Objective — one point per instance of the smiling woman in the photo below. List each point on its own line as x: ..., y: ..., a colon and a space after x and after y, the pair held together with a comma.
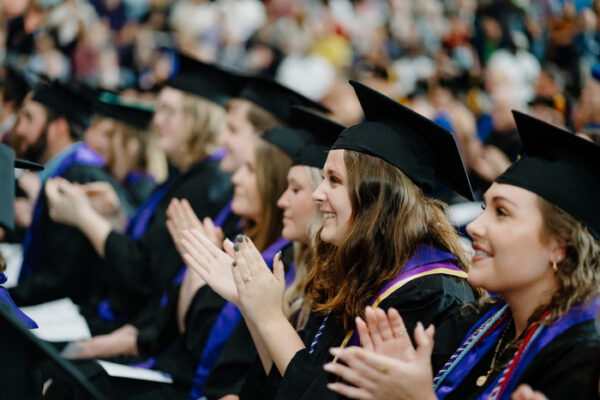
x: 383, y: 240
x: 537, y: 245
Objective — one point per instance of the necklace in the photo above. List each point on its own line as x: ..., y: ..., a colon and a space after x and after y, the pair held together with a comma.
x: 483, y: 378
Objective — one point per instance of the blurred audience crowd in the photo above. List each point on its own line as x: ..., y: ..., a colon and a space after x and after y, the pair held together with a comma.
x: 463, y: 63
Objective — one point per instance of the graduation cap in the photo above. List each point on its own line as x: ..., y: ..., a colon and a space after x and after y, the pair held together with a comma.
x: 24, y: 357
x: 64, y: 100
x: 15, y: 85
x: 204, y: 80
x: 275, y: 98
x: 133, y: 115
x: 560, y: 167
x: 417, y: 146
x: 324, y: 132
x: 290, y: 140
x: 8, y: 163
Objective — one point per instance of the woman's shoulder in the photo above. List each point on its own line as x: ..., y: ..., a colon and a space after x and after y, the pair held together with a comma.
x: 436, y: 287
x: 569, y: 364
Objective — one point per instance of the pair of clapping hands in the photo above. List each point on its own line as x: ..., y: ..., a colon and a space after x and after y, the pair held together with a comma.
x: 69, y: 202
x: 388, y: 366
x: 233, y: 269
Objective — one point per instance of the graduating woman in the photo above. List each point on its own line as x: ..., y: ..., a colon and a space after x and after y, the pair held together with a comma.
x: 120, y: 134
x: 537, y: 246
x: 189, y: 349
x: 379, y: 232
x: 141, y: 263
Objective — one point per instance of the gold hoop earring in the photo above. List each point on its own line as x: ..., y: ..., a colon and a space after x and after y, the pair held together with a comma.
x: 554, y: 266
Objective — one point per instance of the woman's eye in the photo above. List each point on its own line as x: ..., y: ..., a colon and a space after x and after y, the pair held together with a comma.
x: 500, y: 212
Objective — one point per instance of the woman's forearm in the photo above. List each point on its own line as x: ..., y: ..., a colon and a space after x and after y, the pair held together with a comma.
x: 281, y: 340
x: 263, y: 352
x: 96, y: 228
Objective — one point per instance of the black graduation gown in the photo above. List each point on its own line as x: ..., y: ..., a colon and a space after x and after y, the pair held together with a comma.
x: 70, y: 263
x: 179, y: 355
x: 428, y: 299
x: 138, y: 271
x: 139, y: 190
x: 159, y: 335
x: 567, y: 368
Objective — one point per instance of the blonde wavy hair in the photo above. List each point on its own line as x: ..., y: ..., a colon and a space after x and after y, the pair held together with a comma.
x: 204, y: 121
x: 296, y: 305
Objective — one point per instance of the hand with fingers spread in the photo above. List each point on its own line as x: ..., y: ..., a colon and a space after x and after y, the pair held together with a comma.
x: 181, y: 217
x: 259, y: 289
x: 383, y: 333
x: 377, y: 377
x: 211, y: 263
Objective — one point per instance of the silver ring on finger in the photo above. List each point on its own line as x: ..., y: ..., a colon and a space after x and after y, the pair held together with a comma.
x: 401, y: 333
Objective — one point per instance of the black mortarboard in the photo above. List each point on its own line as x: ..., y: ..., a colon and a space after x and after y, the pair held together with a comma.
x: 24, y: 357
x: 8, y: 163
x: 560, y: 167
x: 275, y: 98
x: 204, y: 80
x: 324, y: 131
x: 417, y: 146
x: 290, y: 140
x: 15, y: 85
x: 64, y: 101
x: 111, y: 107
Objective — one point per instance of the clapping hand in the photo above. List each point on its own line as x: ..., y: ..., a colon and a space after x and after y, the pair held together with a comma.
x: 67, y: 203
x: 406, y: 375
x: 260, y: 290
x: 181, y: 217
x: 211, y: 263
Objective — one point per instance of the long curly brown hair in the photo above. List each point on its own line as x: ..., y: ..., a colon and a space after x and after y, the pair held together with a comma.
x: 391, y: 216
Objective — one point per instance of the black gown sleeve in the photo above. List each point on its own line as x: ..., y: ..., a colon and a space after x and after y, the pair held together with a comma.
x: 138, y: 192
x: 569, y: 366
x: 238, y: 355
x: 179, y: 354
x: 69, y: 263
x: 142, y: 269
x: 427, y: 299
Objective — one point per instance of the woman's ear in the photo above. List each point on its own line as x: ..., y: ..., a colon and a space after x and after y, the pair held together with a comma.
x: 558, y: 250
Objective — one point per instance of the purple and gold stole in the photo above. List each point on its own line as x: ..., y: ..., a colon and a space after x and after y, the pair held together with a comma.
x: 427, y: 260
x: 485, y: 334
x: 33, y: 246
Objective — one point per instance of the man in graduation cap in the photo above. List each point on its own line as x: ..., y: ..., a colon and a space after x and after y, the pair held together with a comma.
x: 58, y: 261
